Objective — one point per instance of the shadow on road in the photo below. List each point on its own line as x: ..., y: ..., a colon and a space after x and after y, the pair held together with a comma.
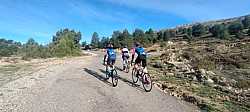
x: 118, y: 68
x: 130, y: 83
x: 98, y: 76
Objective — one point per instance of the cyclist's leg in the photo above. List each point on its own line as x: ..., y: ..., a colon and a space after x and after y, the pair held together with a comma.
x: 137, y: 61
x: 123, y: 62
x: 144, y: 64
x: 112, y: 64
x: 109, y: 63
x: 132, y: 60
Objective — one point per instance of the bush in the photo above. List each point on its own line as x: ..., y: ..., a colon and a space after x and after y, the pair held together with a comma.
x: 66, y: 47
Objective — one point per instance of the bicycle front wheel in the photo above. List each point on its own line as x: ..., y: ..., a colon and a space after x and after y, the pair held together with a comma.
x: 114, y: 78
x: 135, y: 75
x: 107, y: 73
x: 146, y: 82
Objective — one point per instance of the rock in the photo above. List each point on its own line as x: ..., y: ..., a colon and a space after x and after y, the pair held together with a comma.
x: 209, y: 80
x: 169, y: 74
x: 210, y: 73
x: 203, y: 72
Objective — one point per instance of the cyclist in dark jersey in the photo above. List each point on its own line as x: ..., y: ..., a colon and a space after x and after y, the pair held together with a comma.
x: 110, y: 55
x: 141, y: 56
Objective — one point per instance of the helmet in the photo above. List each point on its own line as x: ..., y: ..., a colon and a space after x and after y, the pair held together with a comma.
x: 137, y: 44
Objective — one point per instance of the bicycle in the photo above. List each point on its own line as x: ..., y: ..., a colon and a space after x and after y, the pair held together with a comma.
x: 113, y: 74
x: 127, y: 65
x: 137, y: 73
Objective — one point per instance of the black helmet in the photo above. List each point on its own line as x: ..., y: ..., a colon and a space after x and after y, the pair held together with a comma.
x: 137, y: 44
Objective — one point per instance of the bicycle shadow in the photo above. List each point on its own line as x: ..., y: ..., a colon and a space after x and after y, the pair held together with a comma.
x: 98, y: 76
x: 118, y: 68
x: 128, y: 82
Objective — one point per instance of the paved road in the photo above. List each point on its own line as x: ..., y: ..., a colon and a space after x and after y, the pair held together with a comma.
x: 78, y: 85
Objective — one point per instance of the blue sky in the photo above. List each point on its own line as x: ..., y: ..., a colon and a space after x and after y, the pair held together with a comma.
x: 40, y: 19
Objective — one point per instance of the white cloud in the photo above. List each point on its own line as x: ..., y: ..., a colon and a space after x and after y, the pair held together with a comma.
x: 193, y: 10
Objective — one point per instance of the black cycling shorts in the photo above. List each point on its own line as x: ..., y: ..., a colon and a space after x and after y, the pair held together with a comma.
x: 141, y: 59
x: 110, y: 61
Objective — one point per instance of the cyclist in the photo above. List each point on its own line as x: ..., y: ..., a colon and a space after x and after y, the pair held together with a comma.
x: 110, y: 55
x: 141, y: 57
x: 125, y: 56
x: 132, y: 51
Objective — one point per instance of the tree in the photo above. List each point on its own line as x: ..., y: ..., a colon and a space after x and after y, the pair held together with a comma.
x: 103, y: 43
x: 8, y: 47
x: 76, y: 36
x: 198, y: 30
x: 84, y: 43
x: 138, y: 35
x: 66, y: 43
x: 95, y: 40
x: 248, y: 32
x: 219, y: 31
x: 235, y: 28
x: 166, y: 35
x: 246, y: 22
x: 152, y: 36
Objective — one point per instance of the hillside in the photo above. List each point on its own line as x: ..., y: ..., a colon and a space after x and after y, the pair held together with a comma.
x: 210, y: 70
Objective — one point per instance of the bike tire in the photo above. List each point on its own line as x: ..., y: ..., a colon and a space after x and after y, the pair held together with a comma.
x: 114, y: 78
x: 146, y: 82
x: 107, y: 73
x: 134, y: 77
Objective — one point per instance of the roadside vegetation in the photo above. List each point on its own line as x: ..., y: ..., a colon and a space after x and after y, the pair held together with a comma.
x: 209, y: 68
x: 65, y: 43
x: 228, y: 29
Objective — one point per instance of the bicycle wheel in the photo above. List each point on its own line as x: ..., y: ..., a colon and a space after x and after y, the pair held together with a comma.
x: 134, y: 75
x: 107, y: 73
x: 146, y: 82
x: 114, y: 78
x: 127, y: 67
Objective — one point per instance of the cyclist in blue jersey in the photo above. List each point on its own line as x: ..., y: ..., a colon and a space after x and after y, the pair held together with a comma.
x: 110, y: 55
x: 141, y: 56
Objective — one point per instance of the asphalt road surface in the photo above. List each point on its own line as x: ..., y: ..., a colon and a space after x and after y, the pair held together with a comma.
x: 78, y: 85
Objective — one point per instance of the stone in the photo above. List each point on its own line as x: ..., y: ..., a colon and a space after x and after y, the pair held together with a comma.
x: 203, y: 71
x: 209, y: 80
x: 210, y: 73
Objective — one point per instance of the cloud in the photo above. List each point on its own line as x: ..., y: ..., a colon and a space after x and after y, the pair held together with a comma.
x: 101, y: 14
x: 194, y: 10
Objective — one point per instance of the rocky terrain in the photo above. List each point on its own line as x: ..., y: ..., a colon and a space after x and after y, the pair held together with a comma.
x: 213, y: 74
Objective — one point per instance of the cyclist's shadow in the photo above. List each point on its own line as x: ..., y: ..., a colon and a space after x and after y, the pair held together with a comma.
x: 130, y: 83
x: 98, y: 76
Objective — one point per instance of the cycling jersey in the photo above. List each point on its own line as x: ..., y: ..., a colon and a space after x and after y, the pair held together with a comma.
x: 111, y: 54
x: 140, y: 51
x: 125, y: 52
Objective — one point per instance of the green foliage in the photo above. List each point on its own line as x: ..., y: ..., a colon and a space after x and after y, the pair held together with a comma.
x: 246, y: 22
x: 76, y: 36
x: 84, y: 44
x: 103, y: 43
x: 198, y: 30
x: 8, y: 47
x: 219, y: 31
x: 235, y: 28
x: 66, y: 45
x: 95, y: 40
x: 33, y: 50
